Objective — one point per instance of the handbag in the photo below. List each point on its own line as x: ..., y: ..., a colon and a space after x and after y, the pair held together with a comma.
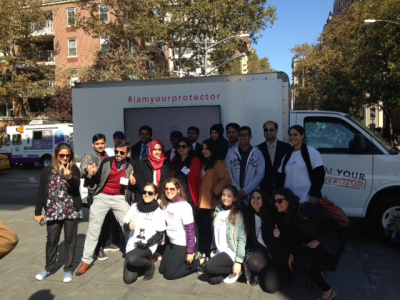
x: 8, y: 240
x: 331, y: 208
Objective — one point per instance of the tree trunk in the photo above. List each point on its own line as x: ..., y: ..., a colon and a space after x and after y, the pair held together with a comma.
x: 27, y: 109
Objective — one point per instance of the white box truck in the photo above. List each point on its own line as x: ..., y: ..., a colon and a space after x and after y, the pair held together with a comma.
x: 362, y: 169
x: 35, y: 143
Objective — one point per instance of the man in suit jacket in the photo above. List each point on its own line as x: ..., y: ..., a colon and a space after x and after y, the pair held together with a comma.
x: 193, y: 134
x: 141, y: 148
x: 174, y: 136
x: 272, y: 161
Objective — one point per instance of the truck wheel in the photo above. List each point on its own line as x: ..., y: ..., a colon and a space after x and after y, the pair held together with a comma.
x: 46, y: 160
x: 383, y: 212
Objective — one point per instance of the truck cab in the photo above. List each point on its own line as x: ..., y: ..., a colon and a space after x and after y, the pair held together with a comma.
x: 362, y: 170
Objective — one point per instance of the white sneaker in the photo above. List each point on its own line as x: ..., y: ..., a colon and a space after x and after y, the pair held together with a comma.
x: 67, y: 276
x: 232, y: 277
x: 42, y: 275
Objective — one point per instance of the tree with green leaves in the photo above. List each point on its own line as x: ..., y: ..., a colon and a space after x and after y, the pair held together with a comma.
x: 135, y: 28
x: 354, y: 64
x: 23, y: 76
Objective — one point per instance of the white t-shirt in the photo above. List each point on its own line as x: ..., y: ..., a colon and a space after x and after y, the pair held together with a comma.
x: 177, y: 215
x: 297, y: 178
x: 150, y: 222
x: 220, y: 234
x: 258, y: 224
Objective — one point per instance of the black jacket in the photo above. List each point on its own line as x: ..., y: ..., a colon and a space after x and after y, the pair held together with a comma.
x: 145, y: 174
x: 320, y: 226
x: 269, y: 182
x: 135, y: 151
x: 43, y: 190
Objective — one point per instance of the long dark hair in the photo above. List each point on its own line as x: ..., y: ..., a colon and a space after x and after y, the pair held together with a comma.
x: 235, y: 205
x: 299, y: 129
x: 212, y: 147
x: 188, y: 161
x: 266, y: 211
x: 291, y: 215
x: 54, y: 160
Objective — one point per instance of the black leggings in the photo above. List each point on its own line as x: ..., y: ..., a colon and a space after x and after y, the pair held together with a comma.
x: 205, y: 233
x: 173, y: 264
x: 311, y: 263
x: 218, y: 268
x: 269, y: 275
x: 134, y: 263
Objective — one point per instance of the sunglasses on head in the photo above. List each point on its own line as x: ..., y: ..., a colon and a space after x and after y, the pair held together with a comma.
x: 181, y: 146
x: 269, y: 129
x: 279, y: 201
x: 148, y: 193
x: 169, y: 189
x: 64, y: 156
x: 120, y: 152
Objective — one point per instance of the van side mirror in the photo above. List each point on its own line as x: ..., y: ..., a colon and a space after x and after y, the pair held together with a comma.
x: 357, y: 144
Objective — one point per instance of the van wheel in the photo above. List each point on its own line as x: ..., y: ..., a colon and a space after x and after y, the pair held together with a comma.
x: 46, y: 160
x: 383, y: 212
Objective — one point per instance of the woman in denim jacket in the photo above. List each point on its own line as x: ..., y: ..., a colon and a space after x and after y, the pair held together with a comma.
x: 229, y: 240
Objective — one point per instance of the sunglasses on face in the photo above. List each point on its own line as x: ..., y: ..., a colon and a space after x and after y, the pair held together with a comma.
x: 64, y: 156
x: 181, y: 146
x: 169, y: 189
x: 120, y: 152
x: 269, y: 129
x: 118, y: 137
x: 279, y: 201
x: 148, y: 193
x: 174, y: 139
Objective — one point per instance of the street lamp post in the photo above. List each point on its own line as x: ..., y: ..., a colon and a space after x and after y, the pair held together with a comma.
x: 206, y: 48
x: 367, y: 21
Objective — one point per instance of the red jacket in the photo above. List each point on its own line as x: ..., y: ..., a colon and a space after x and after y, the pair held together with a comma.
x: 194, y: 180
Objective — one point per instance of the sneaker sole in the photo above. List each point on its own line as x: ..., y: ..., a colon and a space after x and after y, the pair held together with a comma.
x: 102, y: 258
x: 67, y: 281
x: 108, y: 250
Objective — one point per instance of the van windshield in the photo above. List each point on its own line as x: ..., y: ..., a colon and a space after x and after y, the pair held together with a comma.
x: 378, y: 137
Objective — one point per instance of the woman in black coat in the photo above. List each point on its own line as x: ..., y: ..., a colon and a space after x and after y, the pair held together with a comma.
x: 154, y: 168
x: 316, y: 239
x: 267, y: 251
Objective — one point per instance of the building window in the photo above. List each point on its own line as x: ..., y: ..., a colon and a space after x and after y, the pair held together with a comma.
x: 7, y: 109
x: 104, y: 13
x: 72, y: 47
x: 73, y: 78
x: 105, y: 44
x: 71, y: 16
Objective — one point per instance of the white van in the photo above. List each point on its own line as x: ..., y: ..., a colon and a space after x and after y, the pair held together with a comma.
x: 35, y: 143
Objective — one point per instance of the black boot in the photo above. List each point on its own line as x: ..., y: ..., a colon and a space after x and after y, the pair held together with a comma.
x: 150, y: 268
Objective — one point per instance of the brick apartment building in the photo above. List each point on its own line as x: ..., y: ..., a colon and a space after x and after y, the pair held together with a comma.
x: 64, y: 51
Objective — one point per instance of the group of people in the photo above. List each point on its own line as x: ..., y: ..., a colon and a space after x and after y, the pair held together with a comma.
x: 217, y: 208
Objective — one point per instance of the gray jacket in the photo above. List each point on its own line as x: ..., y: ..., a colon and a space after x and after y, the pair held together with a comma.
x: 94, y: 157
x: 104, y: 171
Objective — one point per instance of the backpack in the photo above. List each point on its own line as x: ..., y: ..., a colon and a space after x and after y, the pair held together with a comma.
x: 331, y: 208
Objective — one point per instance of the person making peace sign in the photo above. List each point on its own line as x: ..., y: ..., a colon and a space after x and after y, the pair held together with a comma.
x: 59, y: 195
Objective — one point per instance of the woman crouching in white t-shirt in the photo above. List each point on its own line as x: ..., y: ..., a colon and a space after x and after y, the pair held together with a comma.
x: 146, y: 222
x: 229, y: 240
x: 179, y: 255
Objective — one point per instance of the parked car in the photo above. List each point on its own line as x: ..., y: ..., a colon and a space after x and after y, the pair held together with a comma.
x: 4, y: 162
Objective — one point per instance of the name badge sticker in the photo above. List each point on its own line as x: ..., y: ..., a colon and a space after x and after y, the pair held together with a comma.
x: 185, y: 170
x: 124, y: 181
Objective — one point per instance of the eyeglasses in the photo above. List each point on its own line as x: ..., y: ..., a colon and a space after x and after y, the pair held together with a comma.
x: 181, y: 146
x: 118, y: 137
x: 120, y: 152
x: 148, y: 193
x: 64, y: 156
x: 169, y: 189
x: 269, y: 129
x: 244, y: 135
x: 279, y: 201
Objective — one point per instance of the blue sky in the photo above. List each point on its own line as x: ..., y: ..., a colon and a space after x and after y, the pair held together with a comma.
x: 299, y: 22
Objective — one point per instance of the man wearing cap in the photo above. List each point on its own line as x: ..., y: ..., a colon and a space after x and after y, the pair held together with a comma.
x: 117, y: 136
x: 141, y: 148
x: 173, y: 138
